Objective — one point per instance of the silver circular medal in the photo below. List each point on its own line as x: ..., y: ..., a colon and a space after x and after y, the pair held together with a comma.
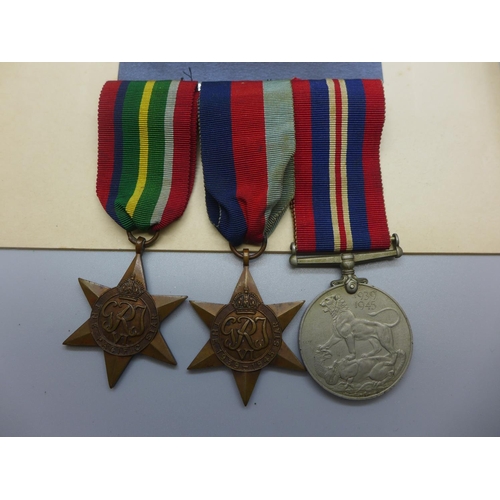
x: 356, y: 346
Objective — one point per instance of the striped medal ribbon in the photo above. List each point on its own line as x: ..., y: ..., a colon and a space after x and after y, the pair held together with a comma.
x: 339, y: 203
x: 147, y: 151
x: 355, y: 340
x: 247, y: 147
x: 145, y: 174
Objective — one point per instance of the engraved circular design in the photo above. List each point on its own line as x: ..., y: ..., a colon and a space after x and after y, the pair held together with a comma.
x: 246, y: 339
x: 356, y: 346
x: 124, y: 323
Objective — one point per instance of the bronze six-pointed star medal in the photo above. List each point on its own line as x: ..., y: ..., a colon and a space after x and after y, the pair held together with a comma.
x: 246, y: 335
x: 125, y: 321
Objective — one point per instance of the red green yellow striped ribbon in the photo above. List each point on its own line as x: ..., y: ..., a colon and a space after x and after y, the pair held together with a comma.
x: 147, y: 151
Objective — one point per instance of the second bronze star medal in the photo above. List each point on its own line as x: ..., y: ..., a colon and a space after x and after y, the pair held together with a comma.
x: 247, y: 147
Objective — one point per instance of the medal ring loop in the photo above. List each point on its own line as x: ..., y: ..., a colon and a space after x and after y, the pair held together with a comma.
x: 140, y: 242
x: 246, y: 254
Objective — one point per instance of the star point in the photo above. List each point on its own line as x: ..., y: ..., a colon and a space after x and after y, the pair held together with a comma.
x: 246, y: 335
x: 125, y: 321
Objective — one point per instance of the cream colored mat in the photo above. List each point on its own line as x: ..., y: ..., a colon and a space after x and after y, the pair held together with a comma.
x: 440, y: 161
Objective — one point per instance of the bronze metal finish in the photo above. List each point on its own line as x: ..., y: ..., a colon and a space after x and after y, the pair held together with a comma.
x: 125, y: 320
x: 246, y: 334
x: 246, y: 253
x: 144, y: 243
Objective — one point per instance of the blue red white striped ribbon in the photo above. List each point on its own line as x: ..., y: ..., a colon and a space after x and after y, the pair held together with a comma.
x: 339, y: 204
x: 247, y: 147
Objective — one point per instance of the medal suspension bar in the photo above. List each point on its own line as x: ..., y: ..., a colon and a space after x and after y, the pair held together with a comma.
x: 346, y: 261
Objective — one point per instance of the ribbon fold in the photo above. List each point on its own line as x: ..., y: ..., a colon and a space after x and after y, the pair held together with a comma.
x: 146, y: 151
x: 247, y: 147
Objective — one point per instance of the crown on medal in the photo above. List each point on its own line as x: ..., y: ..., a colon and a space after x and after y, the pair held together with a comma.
x: 131, y: 289
x: 246, y: 303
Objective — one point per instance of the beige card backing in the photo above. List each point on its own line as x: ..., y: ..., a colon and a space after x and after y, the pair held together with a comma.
x: 440, y: 159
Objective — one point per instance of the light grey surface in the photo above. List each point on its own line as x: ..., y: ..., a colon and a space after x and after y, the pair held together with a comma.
x: 47, y: 389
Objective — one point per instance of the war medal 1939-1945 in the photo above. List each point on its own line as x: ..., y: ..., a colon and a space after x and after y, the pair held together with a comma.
x: 146, y: 167
x: 247, y: 147
x: 355, y: 340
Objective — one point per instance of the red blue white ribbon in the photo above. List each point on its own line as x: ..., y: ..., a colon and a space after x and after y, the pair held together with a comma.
x: 247, y: 147
x: 339, y: 204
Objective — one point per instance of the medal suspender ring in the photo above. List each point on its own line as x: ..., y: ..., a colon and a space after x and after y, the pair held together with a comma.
x: 243, y: 255
x: 140, y: 242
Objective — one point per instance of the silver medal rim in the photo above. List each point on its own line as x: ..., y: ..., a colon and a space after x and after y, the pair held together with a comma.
x: 322, y: 384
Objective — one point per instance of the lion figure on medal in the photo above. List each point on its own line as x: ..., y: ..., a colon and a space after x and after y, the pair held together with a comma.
x: 359, y: 371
